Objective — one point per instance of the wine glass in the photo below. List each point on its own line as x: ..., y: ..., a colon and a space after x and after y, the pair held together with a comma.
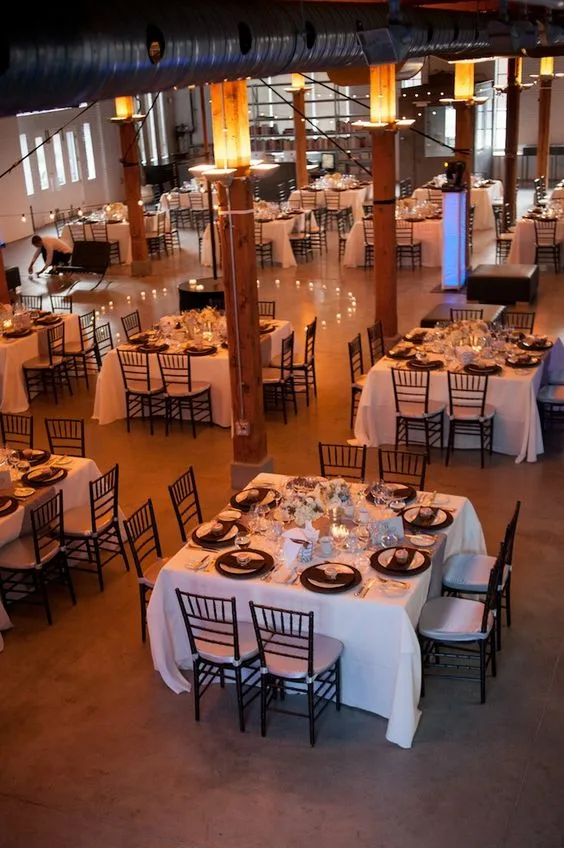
x: 242, y: 540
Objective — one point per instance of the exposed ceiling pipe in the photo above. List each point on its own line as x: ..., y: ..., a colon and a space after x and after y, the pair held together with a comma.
x: 83, y: 52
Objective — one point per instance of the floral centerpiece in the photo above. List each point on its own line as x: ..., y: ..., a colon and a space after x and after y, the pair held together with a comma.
x: 303, y: 507
x: 336, y: 492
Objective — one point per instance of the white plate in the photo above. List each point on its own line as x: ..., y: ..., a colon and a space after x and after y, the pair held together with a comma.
x: 411, y: 514
x: 229, y: 515
x: 204, y: 529
x: 385, y: 557
x: 23, y: 492
x: 421, y: 540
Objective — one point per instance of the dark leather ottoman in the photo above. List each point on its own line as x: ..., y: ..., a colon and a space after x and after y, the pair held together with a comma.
x: 505, y: 284
x: 441, y: 312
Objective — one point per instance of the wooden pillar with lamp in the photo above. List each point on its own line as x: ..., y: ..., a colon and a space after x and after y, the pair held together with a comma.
x: 513, y: 94
x: 464, y: 101
x: 300, y: 144
x: 546, y: 75
x: 232, y: 153
x: 127, y: 121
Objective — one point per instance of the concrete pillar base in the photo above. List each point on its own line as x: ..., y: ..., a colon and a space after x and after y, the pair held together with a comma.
x: 242, y: 472
x: 141, y: 268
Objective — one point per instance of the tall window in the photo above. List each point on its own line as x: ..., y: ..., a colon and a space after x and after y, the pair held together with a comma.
x: 89, y: 150
x: 500, y: 108
x: 151, y: 130
x: 440, y: 126
x: 162, y: 128
x: 73, y: 158
x: 28, y: 176
x: 41, y: 163
x: 412, y: 82
x: 59, y: 160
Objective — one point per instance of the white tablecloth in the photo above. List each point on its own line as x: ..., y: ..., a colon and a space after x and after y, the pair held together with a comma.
x: 14, y: 352
x: 557, y: 193
x: 109, y: 402
x: 381, y: 664
x: 481, y: 198
x: 278, y: 232
x: 523, y: 245
x: 429, y: 233
x: 76, y: 492
x: 354, y: 197
x: 116, y: 232
x: 517, y: 429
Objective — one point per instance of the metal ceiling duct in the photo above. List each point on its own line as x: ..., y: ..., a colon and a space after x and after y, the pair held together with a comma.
x: 83, y: 52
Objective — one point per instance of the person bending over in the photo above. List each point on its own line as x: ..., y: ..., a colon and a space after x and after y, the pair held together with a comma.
x: 54, y: 251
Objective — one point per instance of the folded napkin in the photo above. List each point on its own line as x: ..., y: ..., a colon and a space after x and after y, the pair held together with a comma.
x: 294, y: 539
x: 401, y: 564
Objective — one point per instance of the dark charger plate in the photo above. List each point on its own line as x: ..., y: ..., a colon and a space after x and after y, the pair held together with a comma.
x: 430, y: 365
x: 400, y: 569
x: 472, y: 368
x: 7, y: 505
x: 254, y: 568
x: 420, y: 522
x: 343, y: 580
x: 401, y: 493
x: 211, y: 540
x: 38, y: 482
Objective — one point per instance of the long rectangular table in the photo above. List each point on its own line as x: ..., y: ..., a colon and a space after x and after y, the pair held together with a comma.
x: 353, y: 197
x: 517, y: 427
x: 14, y: 352
x: 109, y: 401
x: 523, y: 249
x: 481, y: 198
x: 381, y: 665
x: 277, y: 231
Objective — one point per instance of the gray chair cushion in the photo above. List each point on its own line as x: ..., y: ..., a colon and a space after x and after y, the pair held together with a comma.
x: 225, y: 654
x: 453, y: 620
x: 326, y: 651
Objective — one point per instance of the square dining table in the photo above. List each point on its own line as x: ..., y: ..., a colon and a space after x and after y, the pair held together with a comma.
x: 513, y: 393
x: 14, y: 352
x: 381, y: 664
x: 109, y: 401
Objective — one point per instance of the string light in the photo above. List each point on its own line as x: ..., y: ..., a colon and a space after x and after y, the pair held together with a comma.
x: 51, y: 215
x: 23, y: 218
x: 140, y: 202
x: 79, y: 211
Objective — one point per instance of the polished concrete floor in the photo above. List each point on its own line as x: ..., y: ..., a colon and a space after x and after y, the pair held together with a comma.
x: 94, y: 749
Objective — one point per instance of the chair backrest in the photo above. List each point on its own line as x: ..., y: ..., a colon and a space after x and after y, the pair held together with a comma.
x: 287, y: 356
x: 66, y: 436
x: 267, y: 309
x: 77, y: 232
x: 99, y: 231
x: 196, y: 200
x: 510, y: 531
x: 355, y: 358
x: 310, y: 199
x: 368, y: 227
x: 131, y: 323
x: 545, y: 232
x: 31, y: 301
x: 519, y: 320
x: 342, y: 460
x: 258, y: 232
x: 284, y: 633
x: 185, y: 501
x: 310, y: 336
x: 211, y: 624
x: 104, y: 498
x: 494, y: 588
x: 333, y: 200
x: 376, y: 345
x: 61, y: 303
x: 342, y: 223
x: 405, y: 188
x: 143, y: 536
x: 104, y: 341
x: 498, y: 220
x: 466, y: 314
x: 135, y: 370
x: 161, y: 223
x: 87, y: 324
x: 410, y: 387
x: 404, y: 232
x: 435, y: 195
x: 402, y: 466
x: 16, y: 430
x: 47, y: 528
x: 175, y: 370
x: 321, y: 218
x: 56, y: 341
x: 466, y: 392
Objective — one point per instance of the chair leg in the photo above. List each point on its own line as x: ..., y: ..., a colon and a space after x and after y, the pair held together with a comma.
x: 239, y: 688
x: 508, y: 601
x: 263, y: 699
x: 67, y: 578
x: 311, y: 713
x: 197, y: 690
x: 483, y: 670
x: 338, y: 685
x: 40, y: 584
x: 99, y: 564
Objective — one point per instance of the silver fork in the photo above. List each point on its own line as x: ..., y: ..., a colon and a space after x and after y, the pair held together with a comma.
x: 360, y: 593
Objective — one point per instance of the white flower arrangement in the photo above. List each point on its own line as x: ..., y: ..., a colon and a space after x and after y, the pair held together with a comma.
x: 305, y: 507
x: 336, y: 492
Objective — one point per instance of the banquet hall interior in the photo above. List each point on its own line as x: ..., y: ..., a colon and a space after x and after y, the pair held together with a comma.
x: 95, y: 748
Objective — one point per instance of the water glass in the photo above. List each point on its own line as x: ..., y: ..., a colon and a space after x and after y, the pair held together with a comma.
x: 243, y: 541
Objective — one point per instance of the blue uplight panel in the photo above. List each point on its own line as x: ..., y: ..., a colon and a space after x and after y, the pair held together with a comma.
x: 454, y: 239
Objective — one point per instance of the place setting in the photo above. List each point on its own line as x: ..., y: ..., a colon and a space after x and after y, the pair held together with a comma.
x: 8, y: 505
x: 330, y: 577
x: 539, y: 343
x: 217, y: 534
x: 401, y: 560
x: 421, y: 362
x: 43, y: 475
x: 247, y: 498
x: 34, y: 456
x: 522, y: 360
x: 427, y: 517
x: 245, y: 563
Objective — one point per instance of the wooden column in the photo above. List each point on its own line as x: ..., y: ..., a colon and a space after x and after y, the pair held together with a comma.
x: 384, y: 219
x: 4, y: 292
x: 543, y: 138
x: 232, y: 150
x: 204, y: 124
x: 140, y: 264
x: 513, y: 94
x: 300, y: 144
x: 464, y: 144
